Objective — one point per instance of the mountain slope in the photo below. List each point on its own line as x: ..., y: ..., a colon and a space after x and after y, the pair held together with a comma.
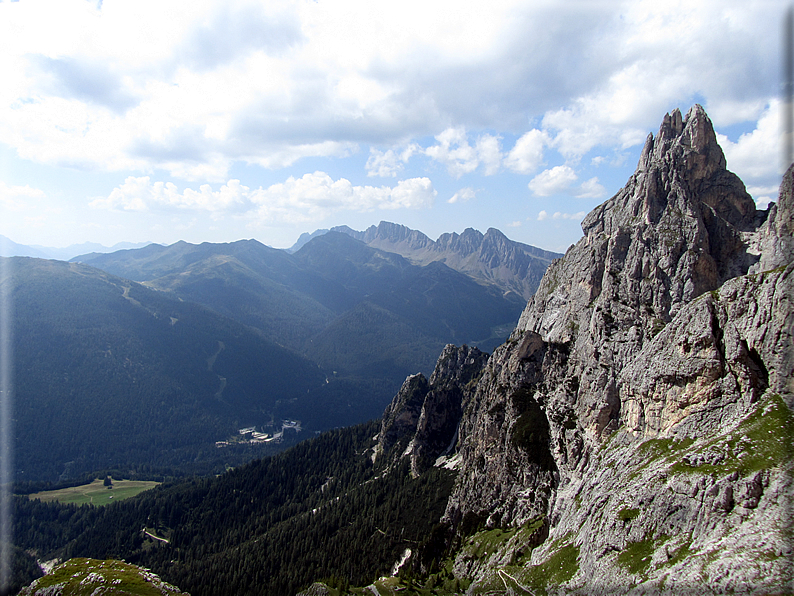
x: 109, y: 372
x: 370, y: 316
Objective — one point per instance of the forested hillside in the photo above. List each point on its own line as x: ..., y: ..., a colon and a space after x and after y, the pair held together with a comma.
x: 113, y: 374
x: 367, y: 316
x: 270, y: 527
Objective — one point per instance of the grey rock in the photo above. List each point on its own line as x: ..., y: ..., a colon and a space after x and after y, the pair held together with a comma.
x: 643, y: 403
x: 775, y: 238
x: 423, y: 417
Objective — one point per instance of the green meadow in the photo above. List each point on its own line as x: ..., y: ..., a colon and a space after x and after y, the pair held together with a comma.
x: 96, y: 493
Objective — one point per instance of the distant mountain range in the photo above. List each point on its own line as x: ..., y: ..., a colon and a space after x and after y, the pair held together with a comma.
x: 490, y: 258
x: 9, y: 248
x: 173, y: 348
x: 110, y: 373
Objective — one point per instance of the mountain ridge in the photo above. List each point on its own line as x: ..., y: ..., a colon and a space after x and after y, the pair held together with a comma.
x: 491, y: 258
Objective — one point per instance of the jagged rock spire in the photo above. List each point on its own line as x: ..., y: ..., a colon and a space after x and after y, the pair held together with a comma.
x: 673, y: 232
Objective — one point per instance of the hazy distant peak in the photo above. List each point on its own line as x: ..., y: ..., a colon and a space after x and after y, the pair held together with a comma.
x: 14, y: 249
x: 306, y: 237
x: 491, y: 258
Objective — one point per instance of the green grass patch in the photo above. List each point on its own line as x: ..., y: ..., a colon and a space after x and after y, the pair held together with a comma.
x: 488, y: 542
x: 655, y: 448
x: 682, y: 553
x: 626, y: 514
x: 636, y: 557
x: 96, y: 493
x: 484, y: 544
x: 763, y: 440
x: 559, y: 568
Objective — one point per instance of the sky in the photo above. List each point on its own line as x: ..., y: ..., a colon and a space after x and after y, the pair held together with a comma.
x: 216, y: 121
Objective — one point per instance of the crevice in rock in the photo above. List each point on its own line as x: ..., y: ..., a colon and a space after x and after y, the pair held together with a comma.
x: 718, y: 333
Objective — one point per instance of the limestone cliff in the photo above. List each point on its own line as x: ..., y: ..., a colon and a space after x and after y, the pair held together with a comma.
x: 640, y: 414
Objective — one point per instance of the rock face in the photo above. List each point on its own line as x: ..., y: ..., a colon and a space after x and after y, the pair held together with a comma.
x: 491, y: 257
x: 642, y: 406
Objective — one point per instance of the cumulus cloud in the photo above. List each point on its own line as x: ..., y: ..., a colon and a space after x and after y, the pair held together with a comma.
x: 389, y: 163
x: 310, y: 197
x: 562, y: 179
x: 574, y: 216
x: 270, y: 83
x: 544, y: 215
x: 490, y: 153
x: 464, y: 194
x: 591, y: 189
x: 141, y: 194
x: 553, y: 181
x: 526, y: 156
x: 756, y: 156
x: 454, y: 151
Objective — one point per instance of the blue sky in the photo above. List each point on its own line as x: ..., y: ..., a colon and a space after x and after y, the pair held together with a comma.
x: 215, y: 121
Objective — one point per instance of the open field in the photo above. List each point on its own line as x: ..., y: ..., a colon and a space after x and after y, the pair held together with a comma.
x: 96, y: 493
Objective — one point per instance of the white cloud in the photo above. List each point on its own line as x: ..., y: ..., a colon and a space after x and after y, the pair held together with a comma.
x: 562, y: 179
x: 140, y: 194
x: 460, y: 157
x: 591, y: 189
x: 756, y: 156
x: 514, y: 224
x: 572, y: 216
x: 490, y: 153
x: 543, y: 215
x: 17, y: 198
x: 526, y: 156
x: 116, y: 85
x: 454, y: 151
x: 308, y: 198
x: 464, y: 194
x: 553, y: 181
x: 389, y: 163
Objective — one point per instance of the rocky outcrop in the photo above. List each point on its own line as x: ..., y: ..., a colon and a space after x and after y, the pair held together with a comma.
x: 774, y: 241
x: 491, y: 258
x: 642, y: 406
x: 77, y: 577
x: 422, y: 419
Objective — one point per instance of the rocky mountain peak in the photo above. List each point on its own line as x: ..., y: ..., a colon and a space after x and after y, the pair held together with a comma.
x: 691, y: 138
x: 673, y: 232
x: 422, y: 419
x: 643, y: 376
